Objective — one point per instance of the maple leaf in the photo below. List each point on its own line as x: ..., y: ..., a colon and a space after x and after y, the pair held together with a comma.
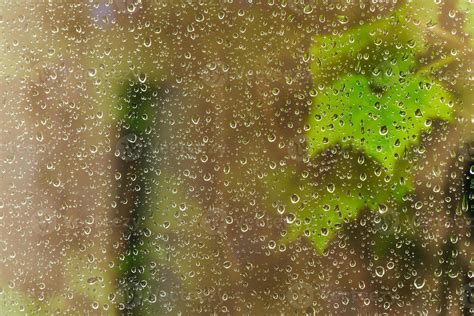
x: 375, y: 99
x: 382, y: 125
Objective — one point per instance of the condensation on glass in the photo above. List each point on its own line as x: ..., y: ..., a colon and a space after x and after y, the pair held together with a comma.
x: 236, y: 157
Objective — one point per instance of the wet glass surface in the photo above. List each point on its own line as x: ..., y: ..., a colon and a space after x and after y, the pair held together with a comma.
x: 276, y: 157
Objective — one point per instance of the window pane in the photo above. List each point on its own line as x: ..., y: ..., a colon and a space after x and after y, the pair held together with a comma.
x: 236, y: 157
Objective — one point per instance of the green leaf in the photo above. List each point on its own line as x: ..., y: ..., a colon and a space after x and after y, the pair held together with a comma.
x: 365, y: 49
x: 382, y: 125
x: 373, y: 99
x: 350, y: 183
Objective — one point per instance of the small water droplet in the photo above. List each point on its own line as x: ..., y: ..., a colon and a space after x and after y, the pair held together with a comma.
x: 295, y: 198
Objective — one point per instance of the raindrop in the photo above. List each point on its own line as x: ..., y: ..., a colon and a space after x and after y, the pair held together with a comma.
x: 295, y: 198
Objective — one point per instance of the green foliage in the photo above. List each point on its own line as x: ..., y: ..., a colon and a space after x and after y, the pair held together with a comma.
x: 372, y: 97
x: 138, y: 110
x: 16, y: 302
x: 137, y: 107
x: 351, y: 183
x: 382, y: 125
x: 379, y: 50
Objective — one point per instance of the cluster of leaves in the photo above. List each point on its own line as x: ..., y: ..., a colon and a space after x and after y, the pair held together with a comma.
x: 373, y: 97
